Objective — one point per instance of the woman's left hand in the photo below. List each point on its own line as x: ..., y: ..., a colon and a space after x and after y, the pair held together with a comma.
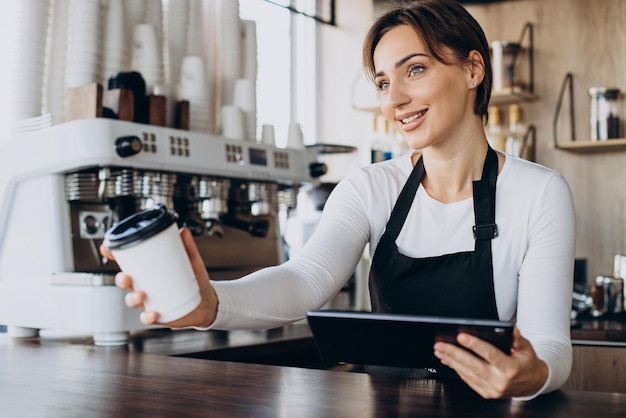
x: 495, y: 374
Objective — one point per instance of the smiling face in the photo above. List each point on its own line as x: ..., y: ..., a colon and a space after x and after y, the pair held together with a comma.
x: 429, y: 102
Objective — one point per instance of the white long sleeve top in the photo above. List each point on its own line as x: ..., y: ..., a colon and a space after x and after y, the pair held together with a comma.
x: 533, y: 255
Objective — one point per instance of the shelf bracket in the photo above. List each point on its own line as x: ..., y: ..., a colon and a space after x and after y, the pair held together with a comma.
x: 567, y: 81
x: 528, y: 28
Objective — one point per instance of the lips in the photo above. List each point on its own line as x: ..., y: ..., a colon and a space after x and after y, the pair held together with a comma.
x: 411, y: 118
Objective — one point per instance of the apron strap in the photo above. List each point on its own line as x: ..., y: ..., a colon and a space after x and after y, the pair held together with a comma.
x: 485, y: 228
x: 403, y: 204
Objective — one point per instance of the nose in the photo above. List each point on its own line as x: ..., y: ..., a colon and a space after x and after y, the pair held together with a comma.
x: 396, y: 95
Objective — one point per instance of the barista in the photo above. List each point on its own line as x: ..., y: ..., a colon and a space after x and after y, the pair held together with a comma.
x: 454, y: 229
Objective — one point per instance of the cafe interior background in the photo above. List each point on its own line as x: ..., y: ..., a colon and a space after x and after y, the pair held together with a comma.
x: 307, y: 71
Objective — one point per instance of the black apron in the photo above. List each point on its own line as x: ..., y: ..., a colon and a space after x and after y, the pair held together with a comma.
x: 451, y: 285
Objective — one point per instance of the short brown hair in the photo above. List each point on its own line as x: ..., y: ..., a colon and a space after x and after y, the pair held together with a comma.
x: 440, y: 23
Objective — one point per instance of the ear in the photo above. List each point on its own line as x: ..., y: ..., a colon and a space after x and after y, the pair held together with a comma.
x: 475, y: 66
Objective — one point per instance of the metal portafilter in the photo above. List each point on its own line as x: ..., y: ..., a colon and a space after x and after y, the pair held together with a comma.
x: 153, y: 187
x: 210, y: 202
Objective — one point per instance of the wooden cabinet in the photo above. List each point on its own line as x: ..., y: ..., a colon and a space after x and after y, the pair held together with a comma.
x: 598, y: 368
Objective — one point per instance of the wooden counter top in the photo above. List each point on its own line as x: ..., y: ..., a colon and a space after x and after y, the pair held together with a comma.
x: 53, y: 378
x: 608, y: 330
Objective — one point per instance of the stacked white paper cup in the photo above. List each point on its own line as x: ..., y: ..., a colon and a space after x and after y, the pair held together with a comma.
x: 134, y: 14
x: 268, y: 137
x: 230, y: 48
x: 211, y: 40
x: 32, y: 124
x: 55, y: 65
x: 245, y: 99
x: 174, y: 38
x: 250, y: 50
x: 175, y: 16
x: 154, y: 16
x: 82, y: 63
x: 26, y: 60
x: 193, y: 89
x: 195, y: 31
x: 295, y: 138
x: 232, y: 123
x: 115, y: 39
x: 147, y: 59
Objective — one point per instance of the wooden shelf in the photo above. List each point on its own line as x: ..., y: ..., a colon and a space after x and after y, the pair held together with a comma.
x: 507, y: 97
x: 593, y: 146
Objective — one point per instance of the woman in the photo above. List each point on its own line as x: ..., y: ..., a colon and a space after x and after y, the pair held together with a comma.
x: 439, y: 242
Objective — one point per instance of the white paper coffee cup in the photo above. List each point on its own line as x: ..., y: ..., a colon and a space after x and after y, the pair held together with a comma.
x: 148, y: 247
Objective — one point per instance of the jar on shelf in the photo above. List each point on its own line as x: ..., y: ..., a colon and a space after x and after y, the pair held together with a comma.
x: 503, y: 55
x: 605, y: 113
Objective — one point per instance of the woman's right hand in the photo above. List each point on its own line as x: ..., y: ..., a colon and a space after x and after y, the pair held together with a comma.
x: 203, y: 316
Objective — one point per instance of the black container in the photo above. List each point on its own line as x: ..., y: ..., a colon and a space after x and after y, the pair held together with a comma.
x: 132, y: 81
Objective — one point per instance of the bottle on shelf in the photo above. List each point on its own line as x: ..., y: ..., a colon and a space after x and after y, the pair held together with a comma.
x: 515, y: 138
x: 375, y: 140
x: 495, y: 133
x: 384, y: 143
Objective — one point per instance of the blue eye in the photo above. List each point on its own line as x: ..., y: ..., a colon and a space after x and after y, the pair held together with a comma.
x: 383, y: 85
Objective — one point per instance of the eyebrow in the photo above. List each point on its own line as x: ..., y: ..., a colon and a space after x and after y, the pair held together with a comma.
x: 400, y: 63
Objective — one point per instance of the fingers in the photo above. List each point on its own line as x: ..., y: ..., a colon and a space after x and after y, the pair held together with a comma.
x: 105, y: 252
x: 519, y: 342
x: 148, y: 317
x: 123, y: 281
x: 135, y: 299
x: 485, y: 350
x: 492, y: 373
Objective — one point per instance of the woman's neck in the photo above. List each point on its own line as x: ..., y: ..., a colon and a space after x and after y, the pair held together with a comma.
x: 450, y: 172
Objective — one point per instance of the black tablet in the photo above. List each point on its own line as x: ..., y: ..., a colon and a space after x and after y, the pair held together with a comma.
x: 396, y: 340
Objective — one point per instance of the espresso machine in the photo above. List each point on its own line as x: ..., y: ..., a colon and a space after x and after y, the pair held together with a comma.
x: 63, y: 186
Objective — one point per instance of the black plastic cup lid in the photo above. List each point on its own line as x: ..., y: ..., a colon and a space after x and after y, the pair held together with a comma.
x: 139, y: 227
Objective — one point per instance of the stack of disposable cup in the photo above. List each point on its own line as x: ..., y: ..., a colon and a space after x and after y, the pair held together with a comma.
x: 230, y: 49
x: 250, y: 58
x: 295, y: 138
x: 114, y: 48
x: 193, y: 89
x: 211, y: 41
x: 26, y: 59
x: 232, y: 123
x: 174, y: 38
x: 195, y: 31
x: 154, y: 16
x: 32, y: 124
x: 55, y: 65
x: 82, y: 63
x: 268, y: 137
x: 245, y: 99
x: 134, y: 14
x: 175, y: 17
x: 147, y: 59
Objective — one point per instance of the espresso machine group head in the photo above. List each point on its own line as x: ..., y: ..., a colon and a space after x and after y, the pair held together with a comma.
x: 62, y: 187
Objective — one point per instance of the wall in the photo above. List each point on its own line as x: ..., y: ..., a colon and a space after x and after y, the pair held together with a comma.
x: 340, y: 50
x: 584, y: 37
x: 588, y: 39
